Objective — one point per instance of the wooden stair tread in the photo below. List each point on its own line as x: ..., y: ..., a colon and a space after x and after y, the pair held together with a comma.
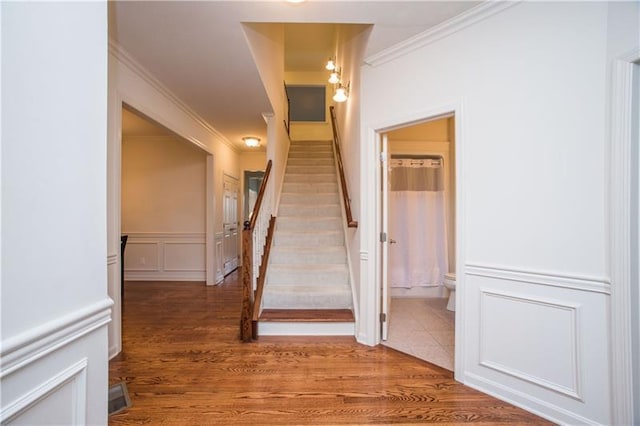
x: 307, y: 315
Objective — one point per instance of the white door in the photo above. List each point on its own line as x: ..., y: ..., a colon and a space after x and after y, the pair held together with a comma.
x: 384, y: 238
x: 230, y: 242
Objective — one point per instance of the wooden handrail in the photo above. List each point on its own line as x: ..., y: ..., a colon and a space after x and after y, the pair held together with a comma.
x: 343, y: 182
x: 247, y: 325
x: 258, y: 204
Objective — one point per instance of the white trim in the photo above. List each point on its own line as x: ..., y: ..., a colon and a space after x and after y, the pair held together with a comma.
x: 555, y: 279
x: 77, y: 374
x: 112, y: 259
x: 190, y: 237
x: 620, y: 134
x: 31, y: 345
x: 575, y: 391
x: 525, y: 401
x: 306, y: 329
x: 210, y: 238
x: 196, y: 276
x: 126, y: 59
x: 369, y: 329
x: 440, y: 31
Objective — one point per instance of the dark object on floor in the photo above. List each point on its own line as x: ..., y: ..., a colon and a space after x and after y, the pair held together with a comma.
x: 118, y: 398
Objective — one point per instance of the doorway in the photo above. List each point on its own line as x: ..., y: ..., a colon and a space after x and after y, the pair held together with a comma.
x: 230, y: 242
x: 418, y: 213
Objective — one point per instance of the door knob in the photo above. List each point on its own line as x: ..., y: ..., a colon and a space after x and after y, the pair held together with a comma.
x: 392, y: 241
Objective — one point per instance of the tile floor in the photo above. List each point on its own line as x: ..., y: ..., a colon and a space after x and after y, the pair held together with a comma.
x: 423, y: 328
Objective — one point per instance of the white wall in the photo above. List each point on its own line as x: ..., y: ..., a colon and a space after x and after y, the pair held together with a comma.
x: 163, y: 209
x: 267, y: 47
x: 54, y: 301
x: 130, y: 83
x: 351, y: 45
x: 528, y: 86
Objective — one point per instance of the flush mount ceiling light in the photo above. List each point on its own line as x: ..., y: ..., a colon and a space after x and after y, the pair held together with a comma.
x: 342, y: 93
x: 251, y: 141
x: 331, y: 65
x: 295, y: 1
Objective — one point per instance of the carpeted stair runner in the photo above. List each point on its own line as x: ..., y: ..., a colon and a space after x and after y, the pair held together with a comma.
x: 308, y: 262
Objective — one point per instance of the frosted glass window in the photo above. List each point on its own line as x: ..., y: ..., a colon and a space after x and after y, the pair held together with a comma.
x: 307, y: 103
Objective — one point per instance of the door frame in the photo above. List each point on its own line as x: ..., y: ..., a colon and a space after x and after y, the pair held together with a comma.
x: 372, y: 181
x: 621, y: 187
x: 114, y: 209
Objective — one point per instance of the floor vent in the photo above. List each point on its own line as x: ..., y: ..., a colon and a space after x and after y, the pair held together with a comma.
x: 118, y: 398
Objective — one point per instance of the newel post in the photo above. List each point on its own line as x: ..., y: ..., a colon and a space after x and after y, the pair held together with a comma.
x: 246, y: 329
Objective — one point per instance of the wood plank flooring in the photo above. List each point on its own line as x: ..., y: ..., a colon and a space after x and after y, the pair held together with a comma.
x: 184, y: 365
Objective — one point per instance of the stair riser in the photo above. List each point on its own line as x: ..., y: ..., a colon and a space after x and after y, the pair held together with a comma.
x: 319, y: 224
x: 319, y: 198
x: 304, y: 210
x: 311, y: 154
x: 297, y: 146
x: 308, y: 187
x: 296, y: 301
x: 310, y: 162
x: 308, y: 169
x: 280, y: 255
x: 299, y: 178
x: 320, y: 239
x: 283, y: 276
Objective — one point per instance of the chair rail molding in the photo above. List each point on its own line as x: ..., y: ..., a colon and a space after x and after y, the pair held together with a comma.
x: 35, y: 343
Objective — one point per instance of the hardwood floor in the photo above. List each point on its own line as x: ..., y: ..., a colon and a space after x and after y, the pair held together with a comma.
x: 184, y: 365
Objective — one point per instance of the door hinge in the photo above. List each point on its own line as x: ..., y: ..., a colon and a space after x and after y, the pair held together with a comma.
x: 383, y: 237
x: 383, y: 157
x: 383, y: 317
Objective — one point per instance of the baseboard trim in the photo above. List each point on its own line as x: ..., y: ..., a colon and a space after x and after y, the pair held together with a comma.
x: 306, y: 329
x: 527, y: 402
x: 132, y: 276
x: 33, y: 344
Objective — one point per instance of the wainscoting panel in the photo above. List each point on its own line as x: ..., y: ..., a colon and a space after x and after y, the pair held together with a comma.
x: 61, y: 399
x: 165, y: 257
x: 554, y: 328
x: 183, y: 256
x: 219, y: 257
x: 539, y: 341
x: 54, y: 374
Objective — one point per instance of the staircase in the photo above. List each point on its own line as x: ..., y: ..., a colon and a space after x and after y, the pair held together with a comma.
x: 307, y: 289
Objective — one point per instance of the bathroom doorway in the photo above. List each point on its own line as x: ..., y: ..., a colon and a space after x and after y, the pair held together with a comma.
x: 418, y: 214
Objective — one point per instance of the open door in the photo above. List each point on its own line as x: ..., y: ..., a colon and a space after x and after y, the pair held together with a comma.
x: 384, y: 229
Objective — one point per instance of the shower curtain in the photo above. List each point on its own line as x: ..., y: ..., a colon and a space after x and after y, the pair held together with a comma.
x: 417, y: 223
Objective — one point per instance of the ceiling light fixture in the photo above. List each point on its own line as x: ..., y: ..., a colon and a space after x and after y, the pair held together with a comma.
x: 251, y: 141
x: 331, y: 65
x: 295, y: 1
x: 342, y: 93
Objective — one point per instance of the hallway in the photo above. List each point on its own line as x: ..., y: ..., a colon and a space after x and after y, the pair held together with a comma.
x: 184, y: 364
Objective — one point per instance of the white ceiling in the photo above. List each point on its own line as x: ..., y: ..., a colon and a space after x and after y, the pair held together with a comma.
x: 198, y: 50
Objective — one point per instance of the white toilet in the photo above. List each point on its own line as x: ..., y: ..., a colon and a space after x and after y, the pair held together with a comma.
x: 450, y: 283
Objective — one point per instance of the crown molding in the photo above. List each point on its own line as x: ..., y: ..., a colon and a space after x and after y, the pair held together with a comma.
x: 128, y: 60
x: 440, y: 31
